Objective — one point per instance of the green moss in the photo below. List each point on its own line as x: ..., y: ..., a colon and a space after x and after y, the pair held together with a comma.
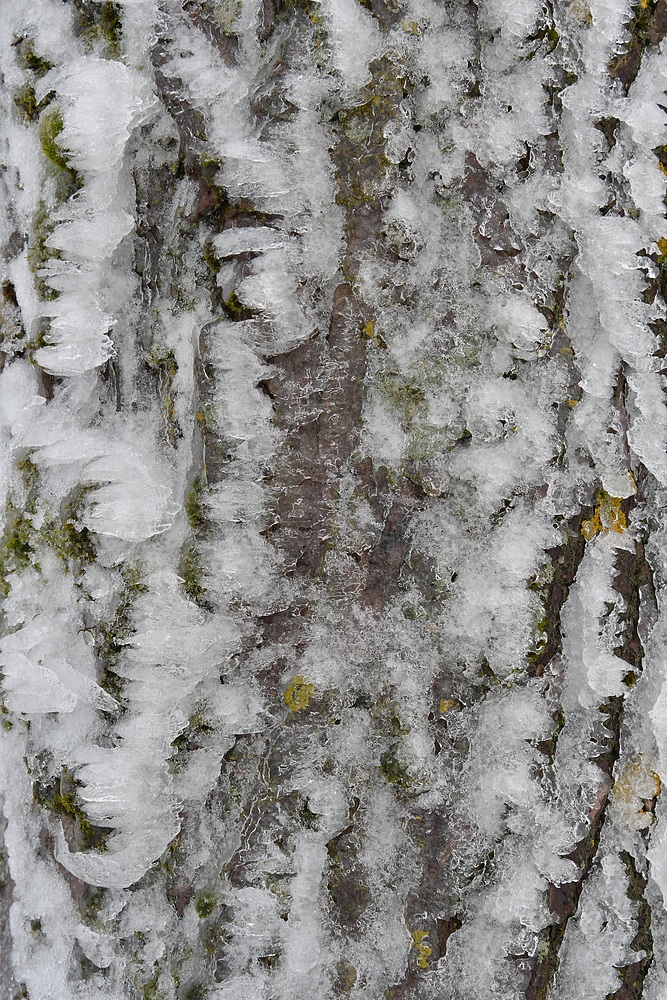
x: 194, y: 506
x: 149, y: 990
x: 205, y: 903
x: 392, y: 770
x: 28, y: 107
x: 71, y: 543
x: 29, y: 473
x: 17, y: 546
x: 91, y: 904
x: 30, y: 60
x: 164, y: 369
x: 541, y: 643
x: 66, y: 178
x: 548, y: 34
x: 346, y: 976
x: 191, y: 573
x: 235, y: 310
x: 111, y: 637
x: 20, y: 537
x: 485, y: 675
x: 192, y: 738
x: 38, y: 252
x: 385, y: 716
x: 210, y: 257
x: 195, y: 991
x: 67, y: 537
x: 633, y: 975
x: 21, y: 540
x: 111, y: 28
x: 100, y: 26
x: 133, y: 577
x: 206, y: 419
x: 59, y: 797
x: 359, y: 156
x: 50, y: 126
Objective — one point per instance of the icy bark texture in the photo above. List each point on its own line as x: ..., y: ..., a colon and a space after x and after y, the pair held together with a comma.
x: 333, y: 470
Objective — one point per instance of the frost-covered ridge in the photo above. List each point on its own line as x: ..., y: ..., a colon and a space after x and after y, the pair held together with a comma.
x: 333, y: 476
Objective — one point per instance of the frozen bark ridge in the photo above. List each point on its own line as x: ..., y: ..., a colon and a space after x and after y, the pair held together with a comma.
x: 100, y: 103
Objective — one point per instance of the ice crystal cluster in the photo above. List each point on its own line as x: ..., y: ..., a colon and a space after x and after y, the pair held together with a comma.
x: 334, y: 474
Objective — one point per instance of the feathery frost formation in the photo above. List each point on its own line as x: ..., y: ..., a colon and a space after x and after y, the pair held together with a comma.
x: 334, y: 475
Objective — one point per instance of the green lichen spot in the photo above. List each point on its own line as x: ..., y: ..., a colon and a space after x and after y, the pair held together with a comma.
x: 404, y: 396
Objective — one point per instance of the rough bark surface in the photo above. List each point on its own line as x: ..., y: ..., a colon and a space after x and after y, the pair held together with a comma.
x: 333, y: 477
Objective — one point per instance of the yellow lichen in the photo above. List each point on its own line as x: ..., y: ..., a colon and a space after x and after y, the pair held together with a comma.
x: 608, y: 517
x: 445, y: 705
x: 369, y: 329
x: 636, y: 786
x: 299, y: 693
x: 423, y: 950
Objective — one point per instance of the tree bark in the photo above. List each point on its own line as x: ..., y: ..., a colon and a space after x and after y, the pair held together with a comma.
x: 333, y: 484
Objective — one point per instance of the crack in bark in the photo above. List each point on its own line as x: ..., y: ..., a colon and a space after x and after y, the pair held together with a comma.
x: 634, y: 975
x: 647, y: 28
x: 563, y: 900
x: 633, y: 572
x: 565, y: 560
